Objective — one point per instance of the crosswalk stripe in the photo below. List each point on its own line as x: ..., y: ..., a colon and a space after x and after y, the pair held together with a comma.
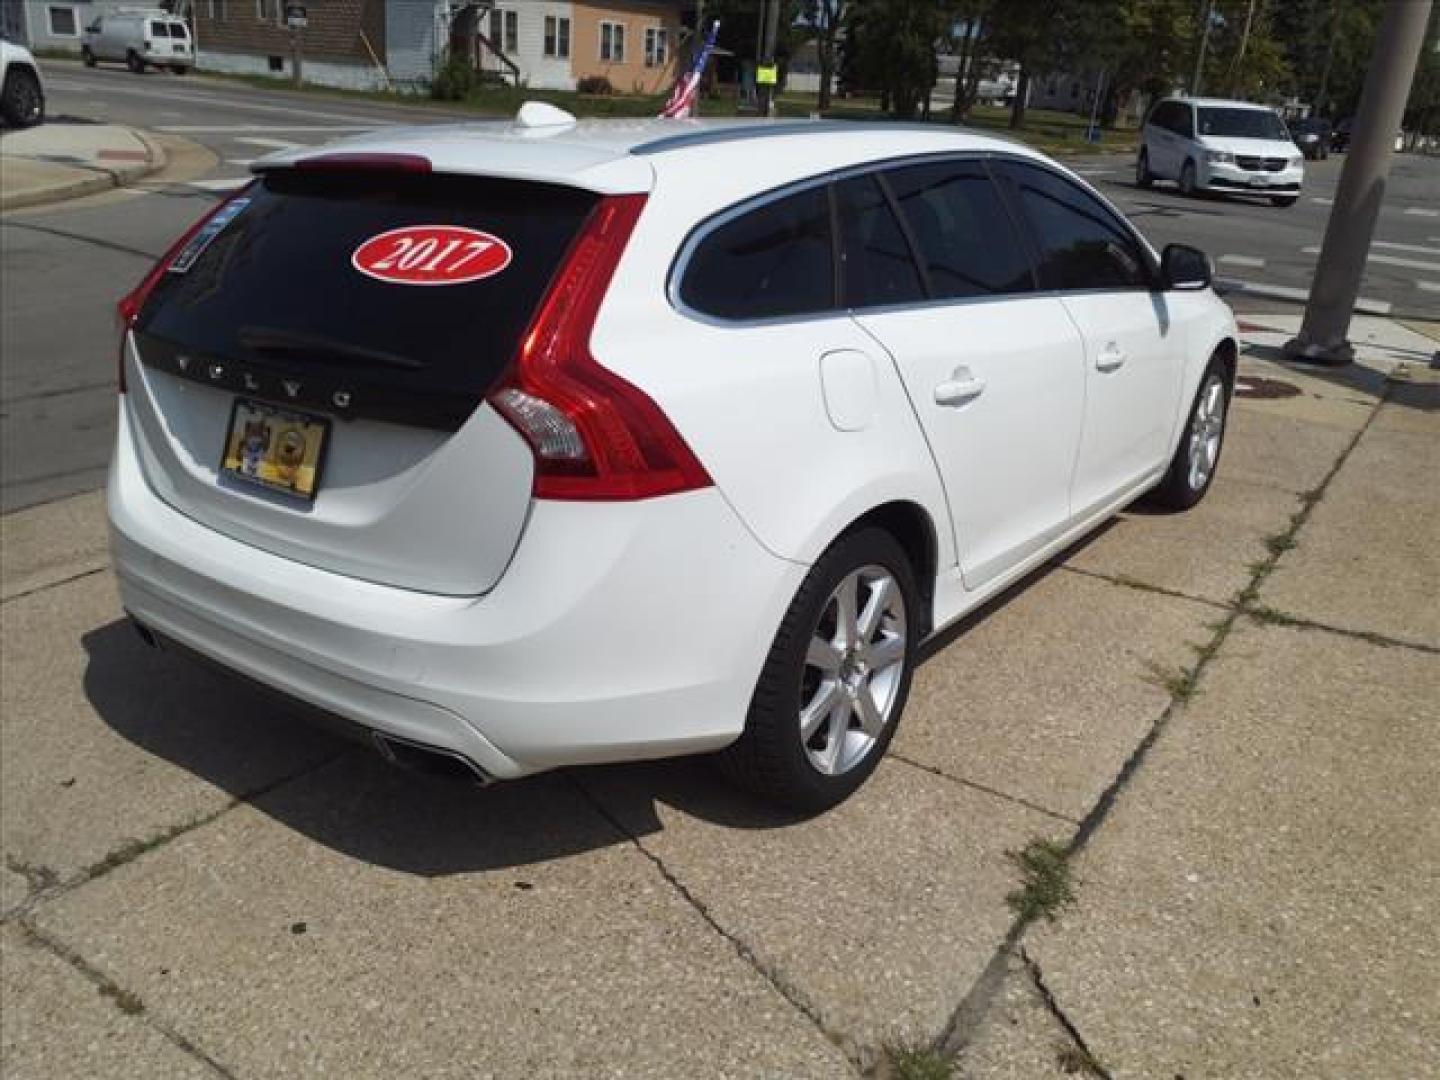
x: 269, y: 144
x: 1415, y: 211
x: 1243, y: 260
x: 1386, y: 260
x: 1415, y: 248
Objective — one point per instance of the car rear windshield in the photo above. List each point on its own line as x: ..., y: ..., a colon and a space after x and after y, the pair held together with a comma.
x: 278, y: 288
x: 1242, y: 124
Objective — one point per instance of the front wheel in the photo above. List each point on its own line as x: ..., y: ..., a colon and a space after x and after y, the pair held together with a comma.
x: 836, y: 678
x: 21, y: 101
x: 1187, y: 179
x: 134, y: 63
x: 1192, y: 469
x: 87, y: 56
x: 1143, y: 176
x: 1283, y: 200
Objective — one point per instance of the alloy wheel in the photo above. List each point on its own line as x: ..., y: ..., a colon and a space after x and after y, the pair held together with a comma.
x: 854, y: 669
x: 1206, y: 430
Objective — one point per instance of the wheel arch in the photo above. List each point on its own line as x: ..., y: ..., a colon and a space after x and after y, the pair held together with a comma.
x: 914, y: 529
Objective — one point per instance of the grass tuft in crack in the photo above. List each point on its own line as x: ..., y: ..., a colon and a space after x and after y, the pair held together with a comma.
x: 904, y: 1062
x: 1045, y: 881
x: 1077, y: 1061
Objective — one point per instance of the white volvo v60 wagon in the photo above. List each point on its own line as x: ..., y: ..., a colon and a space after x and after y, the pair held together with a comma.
x: 522, y: 447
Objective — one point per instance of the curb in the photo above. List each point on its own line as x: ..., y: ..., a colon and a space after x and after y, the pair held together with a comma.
x: 101, y: 179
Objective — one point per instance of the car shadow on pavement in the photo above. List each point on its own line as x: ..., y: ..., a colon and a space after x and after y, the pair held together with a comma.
x: 341, y: 794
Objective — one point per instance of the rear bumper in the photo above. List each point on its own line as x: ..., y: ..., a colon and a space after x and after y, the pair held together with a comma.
x: 620, y: 631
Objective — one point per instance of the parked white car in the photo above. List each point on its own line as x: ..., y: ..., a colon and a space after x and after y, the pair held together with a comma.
x: 22, y: 91
x: 1211, y: 144
x: 139, y: 39
x: 533, y: 446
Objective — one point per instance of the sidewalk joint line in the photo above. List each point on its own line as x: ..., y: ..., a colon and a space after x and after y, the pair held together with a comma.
x: 1129, y: 582
x: 984, y: 788
x: 781, y: 985
x: 128, y: 1003
x: 133, y: 849
x: 1087, y: 1059
x: 79, y: 575
x: 1264, y: 614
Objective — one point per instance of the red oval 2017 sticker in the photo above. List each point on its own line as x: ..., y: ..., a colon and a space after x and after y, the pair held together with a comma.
x: 432, y: 255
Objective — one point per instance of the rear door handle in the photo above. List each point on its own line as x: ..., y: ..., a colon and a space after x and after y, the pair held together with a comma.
x: 960, y: 388
x: 1109, y: 358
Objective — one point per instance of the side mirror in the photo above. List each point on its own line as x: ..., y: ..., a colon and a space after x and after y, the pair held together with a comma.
x: 1185, y: 268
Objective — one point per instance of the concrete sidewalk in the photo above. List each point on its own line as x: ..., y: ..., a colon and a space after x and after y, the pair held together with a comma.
x: 64, y: 160
x: 1230, y: 714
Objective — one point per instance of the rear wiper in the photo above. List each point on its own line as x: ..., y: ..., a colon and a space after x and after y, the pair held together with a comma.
x: 268, y: 339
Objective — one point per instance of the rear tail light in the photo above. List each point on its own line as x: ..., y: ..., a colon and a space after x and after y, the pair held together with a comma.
x: 127, y: 310
x: 594, y: 435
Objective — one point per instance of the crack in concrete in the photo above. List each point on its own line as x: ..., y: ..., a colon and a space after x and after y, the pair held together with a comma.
x: 126, y: 1002
x: 971, y: 1011
x: 1086, y: 1057
x: 859, y: 1057
x: 952, y: 778
x: 79, y: 575
x: 1145, y: 586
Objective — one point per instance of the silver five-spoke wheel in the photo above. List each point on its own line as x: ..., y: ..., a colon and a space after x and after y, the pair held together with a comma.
x: 853, y: 671
x: 1206, y: 432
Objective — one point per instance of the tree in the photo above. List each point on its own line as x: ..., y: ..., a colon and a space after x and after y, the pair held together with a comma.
x: 825, y: 18
x: 890, y: 47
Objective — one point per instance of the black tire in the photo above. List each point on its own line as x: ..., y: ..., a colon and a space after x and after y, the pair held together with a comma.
x: 771, y: 758
x: 1187, y: 179
x: 1283, y: 200
x: 22, y: 102
x: 87, y: 56
x: 1143, y: 176
x: 134, y: 62
x: 179, y: 69
x: 1178, y: 490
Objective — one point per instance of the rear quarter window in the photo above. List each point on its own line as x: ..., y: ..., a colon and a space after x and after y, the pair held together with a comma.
x: 774, y: 260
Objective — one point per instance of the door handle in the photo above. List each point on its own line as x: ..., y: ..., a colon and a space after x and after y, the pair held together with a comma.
x: 960, y: 388
x: 1109, y: 358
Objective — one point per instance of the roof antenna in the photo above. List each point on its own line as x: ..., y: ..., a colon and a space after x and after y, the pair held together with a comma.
x: 539, y: 114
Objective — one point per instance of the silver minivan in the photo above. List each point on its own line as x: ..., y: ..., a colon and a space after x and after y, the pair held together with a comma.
x: 139, y: 39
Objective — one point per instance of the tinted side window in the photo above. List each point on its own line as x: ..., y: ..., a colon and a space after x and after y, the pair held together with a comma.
x: 876, y: 265
x: 1184, y: 120
x: 775, y: 260
x: 1082, y: 246
x: 1160, y: 115
x: 962, y: 229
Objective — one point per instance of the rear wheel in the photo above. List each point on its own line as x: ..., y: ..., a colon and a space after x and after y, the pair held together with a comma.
x: 1143, y: 177
x: 134, y: 63
x: 21, y: 101
x: 87, y: 56
x: 179, y: 69
x: 1192, y: 469
x: 836, y: 679
x: 1283, y: 200
x: 1187, y: 179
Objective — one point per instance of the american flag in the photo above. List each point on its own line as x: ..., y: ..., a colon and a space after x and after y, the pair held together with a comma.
x: 687, y: 88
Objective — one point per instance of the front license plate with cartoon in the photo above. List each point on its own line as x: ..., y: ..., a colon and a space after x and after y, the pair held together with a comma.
x: 275, y: 448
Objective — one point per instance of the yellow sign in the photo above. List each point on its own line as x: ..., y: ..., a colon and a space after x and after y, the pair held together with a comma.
x: 767, y: 75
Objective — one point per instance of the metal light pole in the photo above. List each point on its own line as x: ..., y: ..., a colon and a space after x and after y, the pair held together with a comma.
x: 771, y: 28
x: 1204, y: 41
x: 1322, y: 338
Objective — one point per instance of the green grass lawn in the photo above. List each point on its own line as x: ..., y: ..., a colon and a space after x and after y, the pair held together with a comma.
x: 1052, y: 132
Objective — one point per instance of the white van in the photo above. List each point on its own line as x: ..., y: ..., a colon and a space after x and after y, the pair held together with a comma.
x: 1230, y: 147
x: 139, y: 38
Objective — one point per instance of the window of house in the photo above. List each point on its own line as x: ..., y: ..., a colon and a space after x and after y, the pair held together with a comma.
x: 657, y: 46
x: 612, y: 42
x: 63, y: 22
x: 505, y: 30
x: 557, y: 37
x: 775, y: 260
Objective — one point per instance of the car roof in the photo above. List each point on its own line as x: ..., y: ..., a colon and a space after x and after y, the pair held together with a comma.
x: 618, y: 155
x: 1228, y: 103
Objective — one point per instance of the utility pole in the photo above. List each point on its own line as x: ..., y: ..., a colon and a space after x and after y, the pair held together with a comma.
x: 1235, y: 67
x: 1322, y: 338
x: 1209, y: 18
x: 771, y: 28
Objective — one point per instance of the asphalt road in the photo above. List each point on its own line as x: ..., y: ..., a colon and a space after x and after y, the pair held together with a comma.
x: 64, y: 267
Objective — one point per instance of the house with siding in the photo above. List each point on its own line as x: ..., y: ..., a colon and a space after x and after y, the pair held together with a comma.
x: 55, y: 25
x: 369, y: 44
